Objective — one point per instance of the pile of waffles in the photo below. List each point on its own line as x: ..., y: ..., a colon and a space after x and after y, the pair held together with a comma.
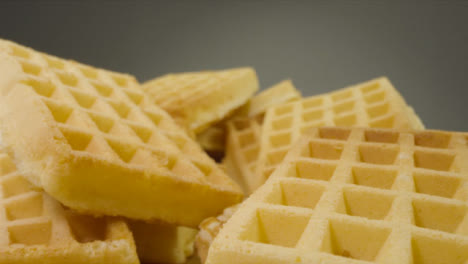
x: 200, y: 167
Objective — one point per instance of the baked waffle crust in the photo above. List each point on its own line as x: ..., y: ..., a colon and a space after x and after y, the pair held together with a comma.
x: 356, y: 195
x: 93, y: 141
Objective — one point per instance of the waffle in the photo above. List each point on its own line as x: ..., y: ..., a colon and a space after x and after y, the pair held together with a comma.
x: 209, y: 229
x: 203, y: 98
x: 163, y: 243
x: 375, y: 103
x: 357, y: 196
x: 100, y: 147
x: 34, y: 228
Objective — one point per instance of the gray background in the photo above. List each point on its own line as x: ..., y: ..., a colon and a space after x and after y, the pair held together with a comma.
x: 321, y: 46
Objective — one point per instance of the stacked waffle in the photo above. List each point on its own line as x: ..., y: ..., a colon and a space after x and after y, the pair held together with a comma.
x: 96, y: 168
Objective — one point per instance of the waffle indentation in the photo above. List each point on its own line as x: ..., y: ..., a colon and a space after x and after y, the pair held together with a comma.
x: 345, y: 120
x: 432, y: 139
x: 61, y: 113
x: 270, y: 227
x: 280, y: 139
x: 355, y: 240
x: 384, y: 155
x: 368, y: 204
x: 30, y: 68
x: 282, y: 123
x: 433, y: 160
x: 334, y: 133
x: 430, y: 250
x: 324, y: 150
x: 280, y: 111
x: 374, y: 177
x: 102, y: 89
x: 77, y: 140
x: 67, y: 78
x: 372, y: 98
x: 380, y: 136
x: 377, y: 110
x: 436, y: 184
x: 312, y: 103
x: 439, y: 216
x: 315, y: 170
x: 36, y: 232
x: 343, y: 107
x: 25, y: 206
x: 41, y: 87
x: 299, y: 194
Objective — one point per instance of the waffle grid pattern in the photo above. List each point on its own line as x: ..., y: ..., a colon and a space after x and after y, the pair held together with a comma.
x: 202, y: 98
x: 358, y: 196
x: 243, y: 147
x: 31, y: 221
x: 375, y: 103
x: 106, y: 116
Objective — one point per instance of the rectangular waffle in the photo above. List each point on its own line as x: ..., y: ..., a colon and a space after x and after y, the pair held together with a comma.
x: 203, y: 98
x: 356, y: 195
x: 94, y: 142
x: 375, y: 103
x: 34, y: 228
x: 163, y: 243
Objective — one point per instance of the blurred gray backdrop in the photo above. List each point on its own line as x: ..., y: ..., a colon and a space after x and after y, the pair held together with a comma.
x: 321, y: 45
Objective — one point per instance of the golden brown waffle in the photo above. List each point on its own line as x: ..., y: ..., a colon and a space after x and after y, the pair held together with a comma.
x: 243, y: 145
x: 34, y: 228
x: 93, y: 141
x: 163, y: 243
x: 375, y: 103
x: 203, y: 98
x: 357, y: 196
x: 209, y: 229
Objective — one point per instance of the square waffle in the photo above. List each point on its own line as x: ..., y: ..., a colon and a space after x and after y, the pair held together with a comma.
x: 35, y: 228
x: 357, y: 195
x: 94, y: 142
x: 203, y: 98
x: 375, y: 103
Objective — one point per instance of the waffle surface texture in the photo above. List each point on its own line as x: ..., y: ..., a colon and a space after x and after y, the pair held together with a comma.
x: 203, y: 98
x: 375, y: 103
x: 213, y: 139
x: 243, y: 146
x: 94, y: 142
x: 35, y: 228
x: 355, y: 195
